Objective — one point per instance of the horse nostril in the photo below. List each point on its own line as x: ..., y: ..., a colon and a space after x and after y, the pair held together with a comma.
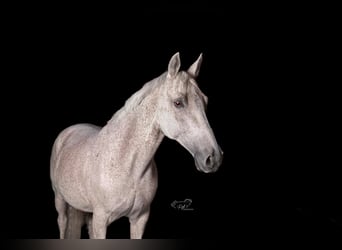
x: 208, y: 161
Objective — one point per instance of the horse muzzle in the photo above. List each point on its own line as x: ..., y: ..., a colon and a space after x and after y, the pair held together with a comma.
x: 208, y: 163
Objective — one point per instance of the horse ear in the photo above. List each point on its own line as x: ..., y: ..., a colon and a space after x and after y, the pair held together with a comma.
x: 174, y: 65
x: 195, y: 67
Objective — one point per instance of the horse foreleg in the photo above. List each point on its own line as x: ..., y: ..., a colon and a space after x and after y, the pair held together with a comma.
x: 137, y: 225
x: 61, y: 207
x: 99, y: 224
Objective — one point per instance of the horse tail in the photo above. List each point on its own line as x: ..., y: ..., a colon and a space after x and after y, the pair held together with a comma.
x: 76, y: 219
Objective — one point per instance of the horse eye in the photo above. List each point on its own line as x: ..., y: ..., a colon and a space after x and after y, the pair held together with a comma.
x: 178, y: 104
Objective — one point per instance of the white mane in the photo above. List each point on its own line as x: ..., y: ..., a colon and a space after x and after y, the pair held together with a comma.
x: 136, y: 98
x: 140, y: 95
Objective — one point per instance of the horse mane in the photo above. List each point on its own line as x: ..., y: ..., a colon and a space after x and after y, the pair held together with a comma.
x: 140, y: 95
x: 136, y: 99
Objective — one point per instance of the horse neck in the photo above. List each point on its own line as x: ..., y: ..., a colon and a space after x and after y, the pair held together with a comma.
x: 134, y: 135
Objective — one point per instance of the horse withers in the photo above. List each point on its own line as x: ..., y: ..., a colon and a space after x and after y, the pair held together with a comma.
x: 100, y: 174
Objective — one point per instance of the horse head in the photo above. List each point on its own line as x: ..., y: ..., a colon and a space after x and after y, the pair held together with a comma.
x: 182, y: 115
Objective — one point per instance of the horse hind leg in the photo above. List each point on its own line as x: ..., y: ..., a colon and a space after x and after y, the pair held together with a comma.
x: 61, y: 207
x: 76, y: 219
x: 70, y: 220
x: 89, y: 222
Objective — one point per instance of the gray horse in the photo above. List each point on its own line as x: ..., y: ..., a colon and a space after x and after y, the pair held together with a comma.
x: 100, y: 174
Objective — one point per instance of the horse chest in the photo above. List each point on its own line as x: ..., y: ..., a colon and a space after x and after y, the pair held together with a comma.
x: 130, y: 197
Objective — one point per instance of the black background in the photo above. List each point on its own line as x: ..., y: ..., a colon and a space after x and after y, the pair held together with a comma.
x: 266, y: 73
